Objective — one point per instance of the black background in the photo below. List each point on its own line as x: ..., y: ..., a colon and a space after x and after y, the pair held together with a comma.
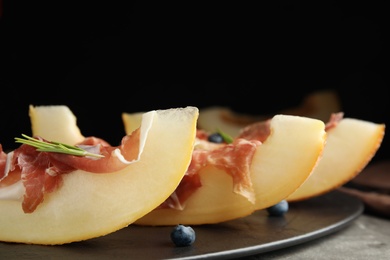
x: 105, y: 58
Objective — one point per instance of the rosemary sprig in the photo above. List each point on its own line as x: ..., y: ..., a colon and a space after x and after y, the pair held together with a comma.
x: 55, y: 147
x: 227, y: 138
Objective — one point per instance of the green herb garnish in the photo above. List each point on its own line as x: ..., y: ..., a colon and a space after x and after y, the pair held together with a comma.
x: 227, y: 138
x: 54, y: 147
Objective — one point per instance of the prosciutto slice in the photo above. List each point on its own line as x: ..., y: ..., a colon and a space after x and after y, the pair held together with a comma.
x: 41, y: 172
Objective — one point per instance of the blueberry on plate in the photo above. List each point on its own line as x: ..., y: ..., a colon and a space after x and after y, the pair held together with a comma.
x: 215, y: 138
x: 278, y: 209
x: 183, y: 235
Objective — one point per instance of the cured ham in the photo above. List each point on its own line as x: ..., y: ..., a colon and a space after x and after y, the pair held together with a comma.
x: 234, y: 158
x: 115, y: 157
x: 41, y: 172
x: 333, y: 121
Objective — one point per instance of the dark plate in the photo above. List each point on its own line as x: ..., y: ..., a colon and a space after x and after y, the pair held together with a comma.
x: 258, y: 233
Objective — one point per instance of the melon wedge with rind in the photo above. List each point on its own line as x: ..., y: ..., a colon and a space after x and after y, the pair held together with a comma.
x: 90, y: 205
x: 350, y: 146
x: 286, y: 161
x: 55, y: 123
x: 280, y: 165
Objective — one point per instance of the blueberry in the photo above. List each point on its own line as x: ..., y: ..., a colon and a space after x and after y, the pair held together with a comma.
x: 183, y: 235
x: 278, y: 209
x: 215, y: 138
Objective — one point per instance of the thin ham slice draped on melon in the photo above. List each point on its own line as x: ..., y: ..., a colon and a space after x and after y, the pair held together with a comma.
x: 41, y: 172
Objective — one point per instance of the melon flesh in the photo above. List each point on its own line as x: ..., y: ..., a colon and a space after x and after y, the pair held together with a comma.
x: 280, y: 165
x: 349, y: 148
x: 90, y: 205
x: 57, y: 123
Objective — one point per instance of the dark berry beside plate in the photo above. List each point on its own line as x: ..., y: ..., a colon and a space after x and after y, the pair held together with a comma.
x: 183, y: 235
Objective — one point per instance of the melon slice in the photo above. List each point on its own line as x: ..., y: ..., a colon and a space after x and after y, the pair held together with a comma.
x: 90, y: 205
x: 349, y: 148
x: 280, y: 165
x: 57, y: 123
